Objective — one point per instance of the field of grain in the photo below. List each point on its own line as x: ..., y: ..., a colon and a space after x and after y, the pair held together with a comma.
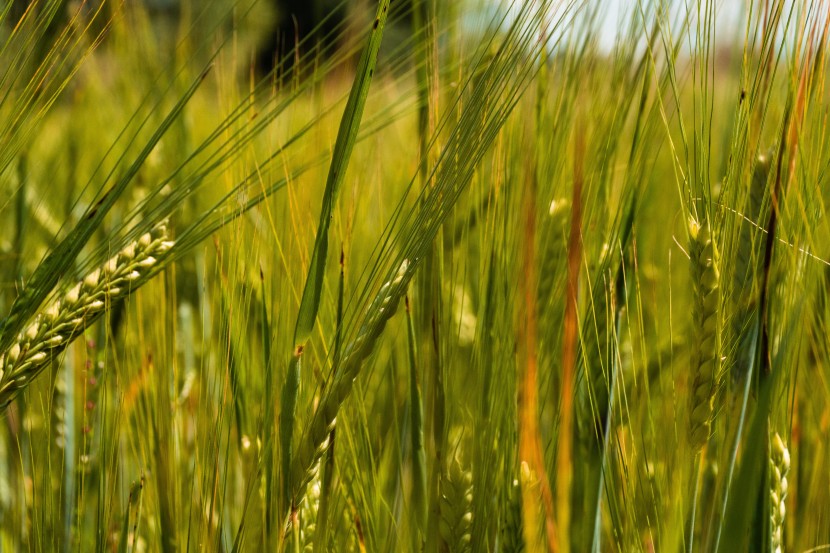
x: 475, y: 276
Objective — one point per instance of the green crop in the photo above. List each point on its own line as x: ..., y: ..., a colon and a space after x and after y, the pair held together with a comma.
x: 461, y: 276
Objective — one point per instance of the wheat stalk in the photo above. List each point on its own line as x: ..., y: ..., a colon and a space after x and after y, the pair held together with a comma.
x: 61, y: 321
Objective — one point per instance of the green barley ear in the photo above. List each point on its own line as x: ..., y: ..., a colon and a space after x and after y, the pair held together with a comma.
x: 308, y: 517
x: 64, y: 319
x: 705, y: 330
x: 779, y: 467
x: 748, y: 257
x: 456, y: 508
x: 310, y: 450
x: 511, y: 530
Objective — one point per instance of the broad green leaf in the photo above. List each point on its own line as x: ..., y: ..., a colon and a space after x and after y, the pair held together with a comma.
x: 343, y: 146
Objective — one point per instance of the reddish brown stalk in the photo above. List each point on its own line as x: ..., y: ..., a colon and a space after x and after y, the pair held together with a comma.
x: 530, y: 442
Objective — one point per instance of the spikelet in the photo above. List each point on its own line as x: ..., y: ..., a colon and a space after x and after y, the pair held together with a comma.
x: 779, y: 467
x: 705, y: 331
x: 60, y: 322
x: 456, y: 508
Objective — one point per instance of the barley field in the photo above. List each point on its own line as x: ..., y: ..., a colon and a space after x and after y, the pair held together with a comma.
x: 418, y: 276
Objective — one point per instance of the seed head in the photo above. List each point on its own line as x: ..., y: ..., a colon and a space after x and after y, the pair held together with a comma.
x: 65, y: 318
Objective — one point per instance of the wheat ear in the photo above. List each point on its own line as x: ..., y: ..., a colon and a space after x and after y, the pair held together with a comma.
x: 61, y: 321
x: 311, y: 448
x: 747, y: 253
x: 705, y: 331
x: 779, y: 467
x: 308, y: 519
x: 456, y: 508
x: 747, y: 265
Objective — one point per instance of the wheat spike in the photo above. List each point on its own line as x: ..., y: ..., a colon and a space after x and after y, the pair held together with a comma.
x: 61, y: 321
x: 456, y: 508
x: 315, y: 442
x: 308, y: 518
x: 747, y: 264
x: 705, y: 331
x: 779, y: 467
